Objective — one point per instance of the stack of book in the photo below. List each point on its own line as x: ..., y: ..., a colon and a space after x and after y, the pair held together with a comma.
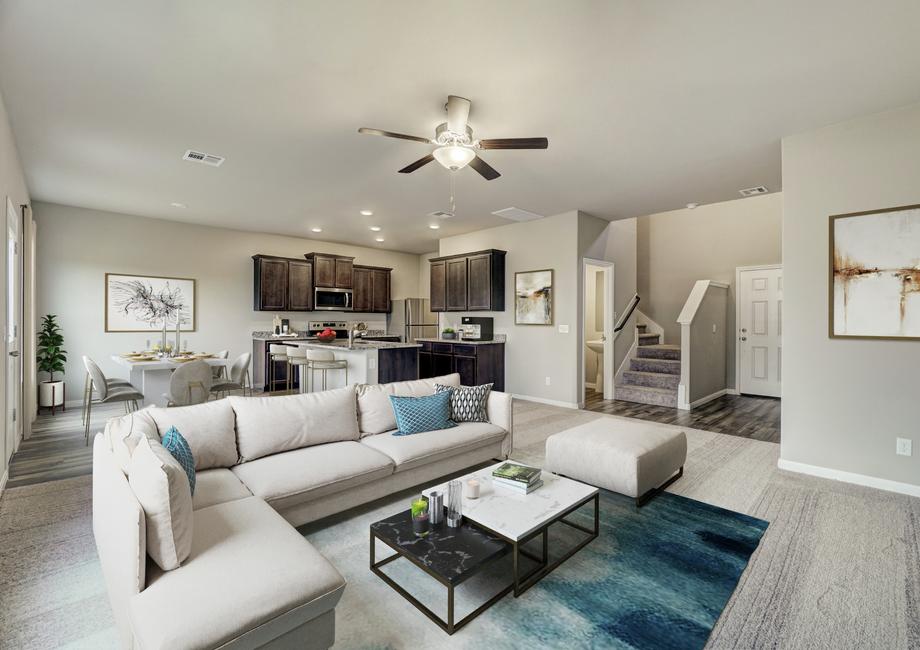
x: 520, y: 478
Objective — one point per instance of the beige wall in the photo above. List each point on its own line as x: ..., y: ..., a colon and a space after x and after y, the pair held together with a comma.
x: 845, y: 401
x: 12, y: 186
x: 677, y: 248
x: 707, y: 372
x: 76, y: 247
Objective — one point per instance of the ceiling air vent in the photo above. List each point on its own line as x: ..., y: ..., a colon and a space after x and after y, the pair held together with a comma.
x: 440, y: 214
x: 517, y: 214
x: 754, y: 191
x: 203, y: 158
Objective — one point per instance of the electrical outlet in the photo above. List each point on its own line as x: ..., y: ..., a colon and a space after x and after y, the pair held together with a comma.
x: 903, y: 446
x: 548, y: 381
x: 713, y: 328
x: 563, y: 329
x: 371, y: 363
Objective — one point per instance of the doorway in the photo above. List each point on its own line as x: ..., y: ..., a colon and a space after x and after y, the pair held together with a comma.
x: 597, y: 331
x: 759, y: 318
x: 13, y: 331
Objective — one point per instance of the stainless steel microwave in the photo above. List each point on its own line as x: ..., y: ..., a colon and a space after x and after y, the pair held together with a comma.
x: 327, y: 299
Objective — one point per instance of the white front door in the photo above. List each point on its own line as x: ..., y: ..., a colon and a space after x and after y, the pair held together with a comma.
x: 760, y: 330
x: 13, y: 333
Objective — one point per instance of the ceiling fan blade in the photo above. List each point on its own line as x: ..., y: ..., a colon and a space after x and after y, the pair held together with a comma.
x: 485, y: 169
x: 458, y: 113
x: 514, y: 143
x: 421, y: 162
x: 390, y: 134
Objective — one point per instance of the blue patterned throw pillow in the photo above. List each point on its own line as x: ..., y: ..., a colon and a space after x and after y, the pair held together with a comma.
x: 175, y: 444
x: 420, y: 414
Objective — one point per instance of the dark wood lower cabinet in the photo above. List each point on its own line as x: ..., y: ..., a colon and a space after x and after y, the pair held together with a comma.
x: 476, y: 364
x: 397, y: 364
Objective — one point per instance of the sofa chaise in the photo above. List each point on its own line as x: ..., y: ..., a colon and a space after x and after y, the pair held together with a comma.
x: 263, y: 466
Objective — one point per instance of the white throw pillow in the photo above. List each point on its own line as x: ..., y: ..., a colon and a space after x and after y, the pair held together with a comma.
x: 162, y: 488
x: 375, y: 413
x: 208, y: 428
x: 269, y: 425
x: 123, y: 433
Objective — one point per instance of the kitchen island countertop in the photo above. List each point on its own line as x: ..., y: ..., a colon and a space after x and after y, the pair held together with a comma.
x: 499, y: 338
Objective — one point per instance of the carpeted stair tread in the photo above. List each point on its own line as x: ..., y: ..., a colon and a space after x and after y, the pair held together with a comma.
x: 644, y: 339
x: 647, y: 395
x: 659, y: 351
x: 651, y: 379
x: 668, y: 366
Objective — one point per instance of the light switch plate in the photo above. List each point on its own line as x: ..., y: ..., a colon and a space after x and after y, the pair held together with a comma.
x: 903, y: 447
x: 371, y: 363
x: 563, y: 329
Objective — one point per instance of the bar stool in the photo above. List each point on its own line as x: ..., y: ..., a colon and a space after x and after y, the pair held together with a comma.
x: 325, y: 361
x: 276, y: 353
x: 297, y: 359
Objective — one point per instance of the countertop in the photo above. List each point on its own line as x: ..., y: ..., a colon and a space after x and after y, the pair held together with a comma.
x: 499, y: 338
x: 268, y: 336
x: 357, y: 345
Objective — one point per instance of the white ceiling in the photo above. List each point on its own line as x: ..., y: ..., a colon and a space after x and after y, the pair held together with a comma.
x: 647, y: 104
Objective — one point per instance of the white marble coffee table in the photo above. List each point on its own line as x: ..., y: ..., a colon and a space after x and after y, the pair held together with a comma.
x: 519, y: 518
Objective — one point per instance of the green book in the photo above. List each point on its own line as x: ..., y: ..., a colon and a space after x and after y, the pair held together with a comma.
x: 519, y: 473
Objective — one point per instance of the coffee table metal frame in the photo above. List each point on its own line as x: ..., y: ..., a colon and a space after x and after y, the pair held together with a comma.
x: 519, y: 584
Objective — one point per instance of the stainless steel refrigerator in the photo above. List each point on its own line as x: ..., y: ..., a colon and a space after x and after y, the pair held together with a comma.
x: 413, y: 319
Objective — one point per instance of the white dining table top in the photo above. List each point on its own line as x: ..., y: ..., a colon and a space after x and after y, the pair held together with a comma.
x: 162, y: 364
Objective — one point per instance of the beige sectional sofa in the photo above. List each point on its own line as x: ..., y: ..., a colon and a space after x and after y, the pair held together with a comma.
x: 263, y: 466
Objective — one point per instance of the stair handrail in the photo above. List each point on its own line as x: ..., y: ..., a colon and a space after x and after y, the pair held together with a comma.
x: 621, y: 323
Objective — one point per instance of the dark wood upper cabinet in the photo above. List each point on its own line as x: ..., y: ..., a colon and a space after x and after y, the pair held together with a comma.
x: 439, y: 286
x: 270, y: 283
x: 300, y: 285
x: 332, y: 271
x: 469, y: 282
x: 372, y: 289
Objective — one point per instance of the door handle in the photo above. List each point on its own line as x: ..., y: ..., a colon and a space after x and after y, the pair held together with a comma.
x: 14, y: 353
x: 744, y: 338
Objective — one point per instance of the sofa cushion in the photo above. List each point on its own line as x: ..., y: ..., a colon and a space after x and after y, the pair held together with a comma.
x: 468, y: 403
x: 161, y: 487
x: 269, y: 425
x: 122, y: 434
x: 207, y: 427
x: 420, y: 414
x: 217, y: 486
x: 305, y: 474
x: 247, y: 567
x: 375, y: 414
x: 429, y: 447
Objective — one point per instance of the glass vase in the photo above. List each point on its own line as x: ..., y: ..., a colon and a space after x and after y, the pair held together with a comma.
x: 454, y: 501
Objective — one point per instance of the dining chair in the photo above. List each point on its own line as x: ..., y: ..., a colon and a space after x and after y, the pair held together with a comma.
x: 276, y: 353
x: 189, y: 384
x: 111, y: 382
x: 220, y: 372
x: 107, y: 395
x: 239, y: 377
x: 324, y: 360
x: 297, y: 361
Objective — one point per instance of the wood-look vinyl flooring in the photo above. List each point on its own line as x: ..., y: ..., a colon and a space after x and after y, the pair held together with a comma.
x: 736, y: 415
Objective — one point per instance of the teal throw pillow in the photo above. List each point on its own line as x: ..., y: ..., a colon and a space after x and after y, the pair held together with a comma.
x: 420, y: 414
x: 178, y: 447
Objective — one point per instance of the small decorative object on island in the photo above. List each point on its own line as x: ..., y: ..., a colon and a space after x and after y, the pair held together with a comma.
x: 448, y: 333
x: 454, y: 504
x: 533, y: 297
x: 326, y: 336
x: 421, y: 524
x: 875, y: 274
x: 50, y: 358
x: 276, y: 325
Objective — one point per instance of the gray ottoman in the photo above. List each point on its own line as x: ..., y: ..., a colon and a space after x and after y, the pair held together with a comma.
x: 634, y: 458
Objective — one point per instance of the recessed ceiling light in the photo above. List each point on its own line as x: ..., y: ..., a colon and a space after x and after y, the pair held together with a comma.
x: 175, y: 204
x: 367, y: 213
x: 380, y: 239
x: 316, y: 229
x: 434, y: 226
x: 375, y: 228
x: 692, y: 206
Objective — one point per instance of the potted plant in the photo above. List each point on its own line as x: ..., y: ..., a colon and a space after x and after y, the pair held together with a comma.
x: 448, y: 333
x: 51, y: 357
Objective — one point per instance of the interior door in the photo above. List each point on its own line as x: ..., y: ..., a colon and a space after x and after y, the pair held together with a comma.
x: 760, y: 331
x: 13, y: 327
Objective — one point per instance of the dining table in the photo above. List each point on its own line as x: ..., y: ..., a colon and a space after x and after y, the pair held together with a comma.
x: 151, y: 377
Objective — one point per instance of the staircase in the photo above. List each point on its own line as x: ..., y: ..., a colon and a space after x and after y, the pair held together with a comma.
x: 653, y: 375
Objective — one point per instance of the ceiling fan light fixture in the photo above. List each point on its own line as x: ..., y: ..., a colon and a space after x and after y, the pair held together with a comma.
x: 454, y: 157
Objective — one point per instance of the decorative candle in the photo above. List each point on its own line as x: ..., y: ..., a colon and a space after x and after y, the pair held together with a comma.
x: 471, y: 489
x: 419, y: 513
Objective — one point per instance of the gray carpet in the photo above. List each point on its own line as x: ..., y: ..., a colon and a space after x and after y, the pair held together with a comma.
x: 839, y: 566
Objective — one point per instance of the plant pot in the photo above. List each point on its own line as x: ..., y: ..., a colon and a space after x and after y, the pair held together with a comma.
x: 448, y: 336
x: 50, y: 394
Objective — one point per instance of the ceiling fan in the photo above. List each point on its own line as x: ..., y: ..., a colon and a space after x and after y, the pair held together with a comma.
x: 455, y: 146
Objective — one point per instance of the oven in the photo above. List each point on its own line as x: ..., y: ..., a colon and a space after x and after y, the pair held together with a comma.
x: 327, y: 299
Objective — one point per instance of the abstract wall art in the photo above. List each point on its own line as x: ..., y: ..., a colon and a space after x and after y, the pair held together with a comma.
x: 142, y: 303
x: 533, y: 297
x: 875, y: 274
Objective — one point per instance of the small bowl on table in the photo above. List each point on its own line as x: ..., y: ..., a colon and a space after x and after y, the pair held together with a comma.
x: 325, y: 338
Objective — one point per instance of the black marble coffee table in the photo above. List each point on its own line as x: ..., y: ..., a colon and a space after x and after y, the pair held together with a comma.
x: 449, y: 555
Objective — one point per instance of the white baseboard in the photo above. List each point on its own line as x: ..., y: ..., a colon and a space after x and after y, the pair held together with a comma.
x: 543, y: 400
x: 709, y: 398
x: 850, y: 477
